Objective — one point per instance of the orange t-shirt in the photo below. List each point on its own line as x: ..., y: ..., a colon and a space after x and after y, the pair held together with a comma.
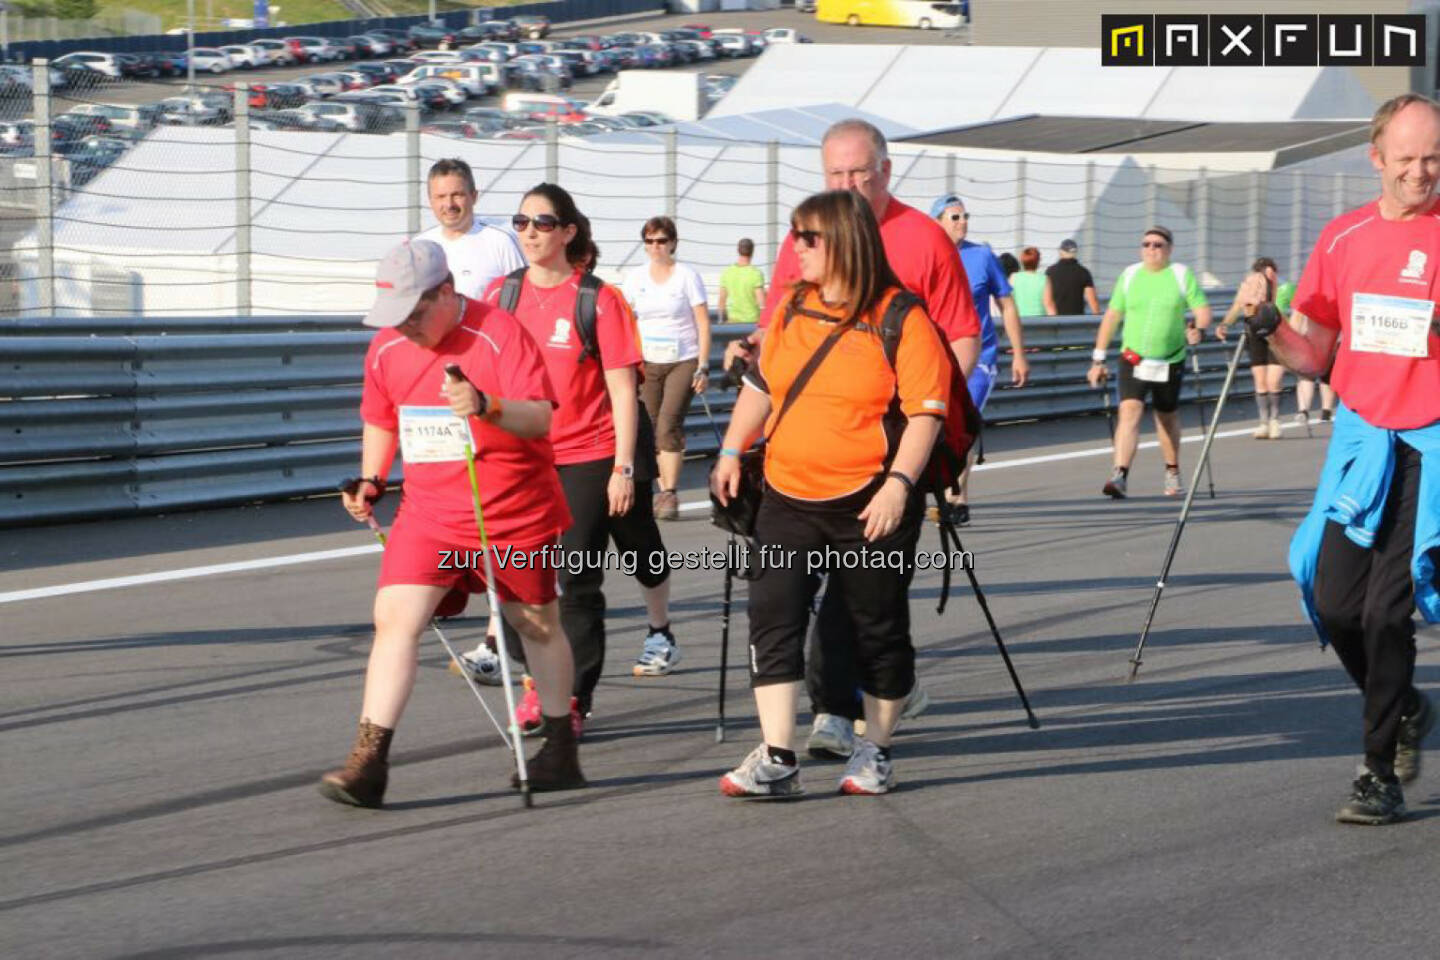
x: 832, y: 441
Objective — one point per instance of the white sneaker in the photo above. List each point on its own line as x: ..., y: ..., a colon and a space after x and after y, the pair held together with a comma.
x: 482, y: 664
x: 1274, y: 430
x: 866, y: 774
x: 831, y: 738
x: 658, y: 657
x: 760, y: 778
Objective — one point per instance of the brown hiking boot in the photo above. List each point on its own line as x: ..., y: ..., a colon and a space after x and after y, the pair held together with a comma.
x: 556, y: 765
x: 667, y: 505
x: 361, y: 782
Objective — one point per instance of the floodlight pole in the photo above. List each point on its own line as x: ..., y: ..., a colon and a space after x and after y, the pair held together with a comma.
x: 190, y: 54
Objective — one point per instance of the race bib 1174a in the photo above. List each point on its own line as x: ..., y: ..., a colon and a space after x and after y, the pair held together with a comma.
x: 433, y: 435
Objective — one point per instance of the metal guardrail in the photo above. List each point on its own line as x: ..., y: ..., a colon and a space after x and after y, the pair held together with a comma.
x: 108, y: 416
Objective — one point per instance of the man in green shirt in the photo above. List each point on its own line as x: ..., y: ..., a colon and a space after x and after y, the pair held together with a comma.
x: 742, y: 287
x: 1152, y: 297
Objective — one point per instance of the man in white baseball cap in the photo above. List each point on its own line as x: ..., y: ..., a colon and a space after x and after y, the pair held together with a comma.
x: 500, y: 407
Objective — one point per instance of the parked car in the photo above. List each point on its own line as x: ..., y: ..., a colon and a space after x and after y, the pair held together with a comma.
x: 327, y: 84
x: 532, y: 73
x: 646, y: 118
x: 400, y: 41
x: 105, y: 64
x: 278, y: 53
x: 274, y: 96
x: 459, y: 129
x: 209, y: 60
x: 478, y: 79
x: 87, y: 124
x: 138, y: 66
x: 438, y: 95
x: 503, y: 29
x: 357, y: 115
x: 733, y: 45
x: 370, y: 46
x: 719, y: 84
x: 91, y: 156
x: 316, y: 49
x: 538, y: 107
x: 701, y: 30
x: 295, y: 120
x: 381, y: 72
x: 133, y: 119
x: 17, y: 137
x: 785, y: 35
x: 533, y: 26
x: 431, y: 35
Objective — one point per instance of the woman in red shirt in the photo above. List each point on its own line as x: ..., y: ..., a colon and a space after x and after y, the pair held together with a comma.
x: 594, y: 433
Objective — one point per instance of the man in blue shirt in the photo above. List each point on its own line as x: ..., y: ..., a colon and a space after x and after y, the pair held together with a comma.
x: 987, y: 280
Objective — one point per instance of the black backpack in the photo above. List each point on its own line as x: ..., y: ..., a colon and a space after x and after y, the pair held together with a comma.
x: 585, y: 316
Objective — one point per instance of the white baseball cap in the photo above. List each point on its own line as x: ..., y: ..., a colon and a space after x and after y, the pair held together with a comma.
x: 401, y: 279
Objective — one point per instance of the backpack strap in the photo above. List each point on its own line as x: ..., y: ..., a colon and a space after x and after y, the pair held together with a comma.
x: 510, y: 290
x: 586, y: 311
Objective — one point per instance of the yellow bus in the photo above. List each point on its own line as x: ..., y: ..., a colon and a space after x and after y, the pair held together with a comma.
x: 924, y: 14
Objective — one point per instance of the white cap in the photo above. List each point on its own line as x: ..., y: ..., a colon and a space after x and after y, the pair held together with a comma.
x: 402, y: 278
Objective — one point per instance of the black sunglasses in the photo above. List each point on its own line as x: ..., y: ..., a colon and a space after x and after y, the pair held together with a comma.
x: 959, y: 216
x: 545, y: 222
x: 656, y: 241
x: 807, y: 237
x: 1154, y: 245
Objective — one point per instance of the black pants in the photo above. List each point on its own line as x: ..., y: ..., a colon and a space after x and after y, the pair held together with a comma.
x: 870, y: 583
x: 1365, y: 599
x: 582, y: 600
x: 831, y: 677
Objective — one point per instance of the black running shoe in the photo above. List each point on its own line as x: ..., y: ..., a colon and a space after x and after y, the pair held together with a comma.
x: 1373, y: 802
x: 1412, y: 733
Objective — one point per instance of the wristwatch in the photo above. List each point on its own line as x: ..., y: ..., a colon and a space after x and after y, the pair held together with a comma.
x: 625, y: 470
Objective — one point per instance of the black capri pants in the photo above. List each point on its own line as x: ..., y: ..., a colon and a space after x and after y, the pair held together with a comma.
x: 1164, y: 397
x: 582, y: 599
x: 873, y: 580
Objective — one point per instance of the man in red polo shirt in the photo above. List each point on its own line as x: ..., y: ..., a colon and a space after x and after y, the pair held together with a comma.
x: 502, y: 409
x: 1365, y: 557
x: 855, y: 156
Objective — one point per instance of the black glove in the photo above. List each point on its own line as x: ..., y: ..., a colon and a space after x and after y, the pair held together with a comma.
x: 352, y: 487
x: 1265, y: 321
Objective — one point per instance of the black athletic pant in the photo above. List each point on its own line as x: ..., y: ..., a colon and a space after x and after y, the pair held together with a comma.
x: 874, y: 597
x: 1365, y: 599
x: 831, y: 677
x: 582, y: 602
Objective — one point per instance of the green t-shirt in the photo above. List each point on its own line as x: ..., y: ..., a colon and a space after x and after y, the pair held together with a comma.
x: 1029, y: 290
x: 1153, y: 303
x: 1284, y: 297
x: 740, y: 284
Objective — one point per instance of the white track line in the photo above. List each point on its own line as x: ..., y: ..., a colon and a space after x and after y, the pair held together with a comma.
x: 190, y: 573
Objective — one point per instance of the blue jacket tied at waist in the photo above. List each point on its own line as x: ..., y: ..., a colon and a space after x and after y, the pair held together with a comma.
x: 1354, y: 485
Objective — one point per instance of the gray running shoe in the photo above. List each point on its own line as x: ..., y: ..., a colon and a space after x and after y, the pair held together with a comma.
x: 658, y: 656
x: 866, y: 775
x: 1173, y: 486
x: 831, y: 738
x: 1373, y: 802
x: 1115, y: 486
x: 916, y: 703
x: 759, y: 778
x: 1413, y: 730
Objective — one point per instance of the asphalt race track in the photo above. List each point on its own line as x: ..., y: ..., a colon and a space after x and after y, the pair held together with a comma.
x: 161, y: 741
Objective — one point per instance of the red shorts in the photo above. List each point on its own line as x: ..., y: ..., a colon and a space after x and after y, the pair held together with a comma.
x: 523, y: 574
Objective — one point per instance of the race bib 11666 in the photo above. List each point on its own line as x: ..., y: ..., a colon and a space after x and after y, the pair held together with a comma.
x: 1398, y: 326
x: 433, y: 435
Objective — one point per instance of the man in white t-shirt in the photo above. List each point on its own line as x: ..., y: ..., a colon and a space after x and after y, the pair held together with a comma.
x: 476, y: 251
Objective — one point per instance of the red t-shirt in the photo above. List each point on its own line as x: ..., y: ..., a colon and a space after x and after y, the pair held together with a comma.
x: 1361, y: 253
x: 924, y: 260
x: 583, y: 428
x: 519, y: 489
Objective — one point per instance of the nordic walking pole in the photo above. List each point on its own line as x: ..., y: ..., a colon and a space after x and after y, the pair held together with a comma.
x: 994, y: 630
x: 1109, y: 414
x: 1135, y: 660
x: 1200, y: 406
x: 454, y: 371
x: 350, y: 486
x: 730, y: 557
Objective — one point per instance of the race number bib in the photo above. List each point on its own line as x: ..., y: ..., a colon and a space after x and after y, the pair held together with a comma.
x: 1397, y: 326
x: 433, y: 435
x: 660, y: 349
x: 1153, y: 371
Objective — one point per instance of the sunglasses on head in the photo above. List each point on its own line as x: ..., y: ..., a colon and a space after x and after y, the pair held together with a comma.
x: 808, y: 237
x: 656, y: 241
x: 544, y: 222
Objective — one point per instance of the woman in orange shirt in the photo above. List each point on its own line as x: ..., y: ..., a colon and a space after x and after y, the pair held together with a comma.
x: 839, y: 488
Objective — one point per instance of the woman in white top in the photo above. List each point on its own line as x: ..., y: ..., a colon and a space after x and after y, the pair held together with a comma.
x: 669, y: 303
